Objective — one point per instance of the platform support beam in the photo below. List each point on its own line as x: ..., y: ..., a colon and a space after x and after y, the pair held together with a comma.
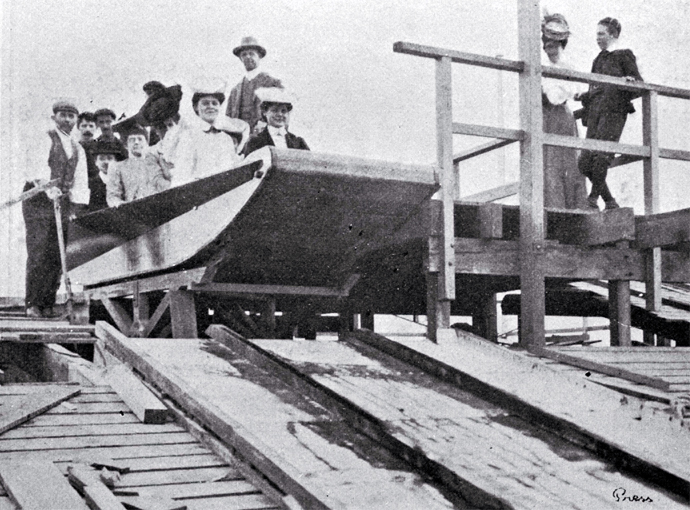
x: 650, y: 138
x: 619, y: 308
x: 531, y: 244
x: 182, y: 314
x: 439, y: 312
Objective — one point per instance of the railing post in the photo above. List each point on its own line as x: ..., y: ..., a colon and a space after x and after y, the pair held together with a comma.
x: 531, y: 178
x: 650, y: 138
x: 446, y: 257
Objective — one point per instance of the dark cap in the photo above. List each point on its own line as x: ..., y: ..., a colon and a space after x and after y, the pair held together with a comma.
x: 105, y: 111
x: 65, y: 106
x: 107, y: 147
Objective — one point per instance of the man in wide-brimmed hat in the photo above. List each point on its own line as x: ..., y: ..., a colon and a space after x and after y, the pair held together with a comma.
x: 242, y: 103
x: 54, y: 155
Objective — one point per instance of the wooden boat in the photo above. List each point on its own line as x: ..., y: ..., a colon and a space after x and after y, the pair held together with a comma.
x: 285, y: 217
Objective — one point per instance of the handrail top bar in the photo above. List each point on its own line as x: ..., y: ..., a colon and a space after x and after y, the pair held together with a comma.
x: 571, y: 75
x: 503, y: 64
x: 458, y: 57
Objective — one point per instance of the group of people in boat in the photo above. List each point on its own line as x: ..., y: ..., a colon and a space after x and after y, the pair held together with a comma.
x: 142, y: 155
x: 604, y: 113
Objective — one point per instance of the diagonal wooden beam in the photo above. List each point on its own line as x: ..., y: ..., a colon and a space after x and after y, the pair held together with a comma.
x: 497, y: 193
x: 156, y: 317
x: 118, y: 314
x: 480, y: 149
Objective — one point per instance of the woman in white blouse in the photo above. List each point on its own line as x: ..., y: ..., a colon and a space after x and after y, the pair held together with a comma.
x: 564, y: 185
x: 205, y: 145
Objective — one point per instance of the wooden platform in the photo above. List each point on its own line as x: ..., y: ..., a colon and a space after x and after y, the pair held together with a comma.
x: 163, y: 459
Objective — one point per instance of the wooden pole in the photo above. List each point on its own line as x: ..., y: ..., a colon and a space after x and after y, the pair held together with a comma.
x: 63, y: 255
x: 531, y: 243
x: 619, y: 308
x: 650, y: 138
x: 444, y: 133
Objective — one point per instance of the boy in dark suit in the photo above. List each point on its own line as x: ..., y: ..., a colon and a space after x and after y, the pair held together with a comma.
x: 606, y: 108
x: 276, y: 106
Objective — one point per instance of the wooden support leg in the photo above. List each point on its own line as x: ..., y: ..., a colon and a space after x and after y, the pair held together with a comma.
x: 431, y: 305
x: 368, y: 320
x: 182, y: 314
x: 268, y: 316
x: 485, y: 320
x: 619, y: 309
x: 346, y: 319
x: 140, y: 313
x: 652, y: 287
x: 157, y: 315
x: 619, y: 312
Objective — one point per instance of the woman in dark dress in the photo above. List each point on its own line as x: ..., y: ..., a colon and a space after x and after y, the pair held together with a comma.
x: 564, y: 184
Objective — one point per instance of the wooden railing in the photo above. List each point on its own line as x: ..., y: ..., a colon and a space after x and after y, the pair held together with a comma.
x: 532, y: 139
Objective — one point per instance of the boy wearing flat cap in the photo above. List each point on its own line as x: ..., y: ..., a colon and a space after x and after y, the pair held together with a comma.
x: 140, y: 175
x: 243, y: 103
x: 104, y: 121
x: 55, y: 155
x: 276, y: 106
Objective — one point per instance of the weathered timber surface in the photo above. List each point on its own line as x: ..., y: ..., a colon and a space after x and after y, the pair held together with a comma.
x: 482, y: 444
x: 137, y: 396
x: 301, y: 224
x: 296, y: 443
x: 39, y: 486
x: 160, y: 460
x: 618, y: 426
x: 663, y: 229
x: 15, y: 411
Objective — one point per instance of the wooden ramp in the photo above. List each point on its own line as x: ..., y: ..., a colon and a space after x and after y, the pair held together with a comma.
x: 304, y: 221
x: 486, y: 452
x: 304, y: 448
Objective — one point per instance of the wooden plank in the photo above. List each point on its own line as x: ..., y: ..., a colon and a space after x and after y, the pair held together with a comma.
x: 595, y: 145
x: 59, y: 443
x: 34, y: 404
x: 182, y: 314
x: 238, y: 289
x: 650, y: 137
x: 619, y: 308
x: 169, y: 281
x: 89, y: 485
x: 114, y: 452
x: 499, y: 257
x: 457, y: 56
x: 664, y: 229
x: 55, y: 420
x: 11, y: 325
x: 90, y: 430
x: 39, y: 486
x: 157, y: 316
x: 205, y: 490
x: 138, y: 397
x: 47, y: 338
x: 93, y: 408
x: 239, y: 502
x: 497, y: 193
x: 480, y: 149
x: 197, y: 475
x: 602, y: 368
x: 674, y: 154
x: 513, y: 135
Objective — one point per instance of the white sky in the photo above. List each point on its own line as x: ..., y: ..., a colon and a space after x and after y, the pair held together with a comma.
x: 355, y: 95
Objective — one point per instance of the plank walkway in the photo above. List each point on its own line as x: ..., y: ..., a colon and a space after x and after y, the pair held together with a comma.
x: 164, y: 460
x: 670, y: 364
x: 491, y: 449
x: 302, y: 444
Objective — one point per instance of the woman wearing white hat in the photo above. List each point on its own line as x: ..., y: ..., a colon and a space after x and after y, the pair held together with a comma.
x: 276, y: 106
x: 206, y: 145
x: 564, y: 185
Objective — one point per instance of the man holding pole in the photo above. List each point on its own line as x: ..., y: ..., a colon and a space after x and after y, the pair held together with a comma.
x: 54, y: 156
